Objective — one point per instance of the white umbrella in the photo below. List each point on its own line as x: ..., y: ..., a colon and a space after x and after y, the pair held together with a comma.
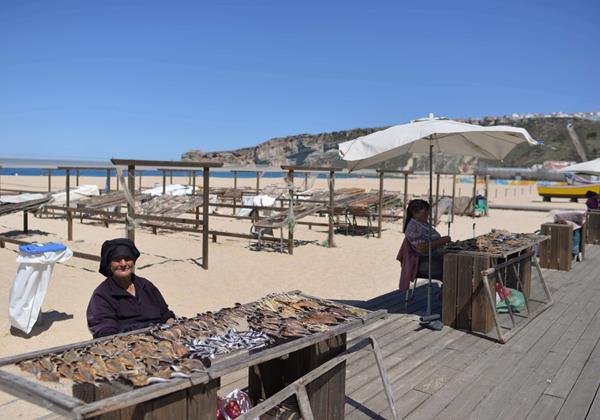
x: 446, y: 136
x: 431, y: 135
x: 591, y: 167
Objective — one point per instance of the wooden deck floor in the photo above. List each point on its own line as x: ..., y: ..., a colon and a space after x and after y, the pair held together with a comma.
x: 550, y: 369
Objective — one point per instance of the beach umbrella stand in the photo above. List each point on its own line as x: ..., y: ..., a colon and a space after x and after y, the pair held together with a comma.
x: 429, y: 320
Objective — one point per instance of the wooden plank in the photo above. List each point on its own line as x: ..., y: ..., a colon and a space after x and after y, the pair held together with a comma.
x: 547, y: 407
x: 311, y: 168
x: 496, y: 355
x: 581, y: 396
x: 166, y: 163
x: 38, y: 394
x: 450, y: 290
x: 464, y: 292
x: 482, y: 316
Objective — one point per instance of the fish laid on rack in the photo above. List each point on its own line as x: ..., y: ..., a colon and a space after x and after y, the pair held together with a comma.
x: 495, y: 242
x: 176, y: 350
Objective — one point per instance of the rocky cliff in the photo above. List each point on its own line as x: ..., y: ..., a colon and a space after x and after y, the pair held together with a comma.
x: 321, y: 149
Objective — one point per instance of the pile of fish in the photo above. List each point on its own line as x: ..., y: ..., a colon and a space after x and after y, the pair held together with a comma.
x: 176, y: 350
x: 495, y: 242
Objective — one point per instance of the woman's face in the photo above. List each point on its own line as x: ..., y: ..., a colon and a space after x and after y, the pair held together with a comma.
x: 122, y: 267
x: 422, y: 215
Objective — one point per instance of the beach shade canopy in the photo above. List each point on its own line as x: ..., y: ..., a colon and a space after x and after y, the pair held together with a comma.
x: 591, y: 167
x: 383, y: 149
x: 446, y: 136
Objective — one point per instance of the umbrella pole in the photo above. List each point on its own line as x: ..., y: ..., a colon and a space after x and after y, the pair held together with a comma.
x: 429, y: 250
x: 430, y: 321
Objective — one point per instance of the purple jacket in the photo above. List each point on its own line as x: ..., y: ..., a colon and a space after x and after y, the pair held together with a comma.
x: 113, y: 310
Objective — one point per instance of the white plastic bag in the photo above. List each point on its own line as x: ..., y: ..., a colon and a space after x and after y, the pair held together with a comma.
x: 30, y: 285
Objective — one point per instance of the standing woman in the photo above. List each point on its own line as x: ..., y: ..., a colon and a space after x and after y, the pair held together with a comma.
x: 416, y: 231
x: 124, y: 301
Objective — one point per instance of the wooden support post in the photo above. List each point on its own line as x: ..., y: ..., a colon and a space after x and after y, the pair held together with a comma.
x: 437, y: 195
x: 258, y: 182
x: 193, y: 182
x: 453, y: 197
x: 140, y: 182
x: 330, y: 241
x: 130, y: 208
x: 68, y: 205
x: 171, y: 177
x: 474, y: 193
x: 77, y: 177
x: 25, y: 223
x: 49, y: 180
x: 234, y: 180
x: 405, y: 203
x: 117, y: 178
x: 305, y: 181
x: 164, y: 182
x: 380, y: 210
x: 108, y: 180
x: 486, y: 193
x: 291, y: 203
x: 205, y: 186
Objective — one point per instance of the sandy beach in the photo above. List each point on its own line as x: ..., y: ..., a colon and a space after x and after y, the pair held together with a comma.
x: 358, y: 268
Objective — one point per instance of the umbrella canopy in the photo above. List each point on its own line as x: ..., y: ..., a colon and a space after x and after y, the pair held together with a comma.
x: 447, y: 136
x: 591, y: 167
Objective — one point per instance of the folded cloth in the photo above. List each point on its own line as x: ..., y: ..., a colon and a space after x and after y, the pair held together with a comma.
x: 409, y: 261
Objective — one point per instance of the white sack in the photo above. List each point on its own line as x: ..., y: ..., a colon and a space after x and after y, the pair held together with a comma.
x: 30, y: 285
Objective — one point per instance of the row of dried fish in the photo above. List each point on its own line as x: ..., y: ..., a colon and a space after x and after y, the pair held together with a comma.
x: 495, y: 242
x: 175, y: 350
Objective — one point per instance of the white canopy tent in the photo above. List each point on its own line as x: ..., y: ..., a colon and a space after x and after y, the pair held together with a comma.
x: 591, y: 167
x: 383, y: 149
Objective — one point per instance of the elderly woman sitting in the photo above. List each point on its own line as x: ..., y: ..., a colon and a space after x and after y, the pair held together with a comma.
x: 416, y: 231
x: 124, y: 301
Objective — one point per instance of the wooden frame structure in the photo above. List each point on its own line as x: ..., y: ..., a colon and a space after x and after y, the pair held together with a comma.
x: 131, y: 165
x: 382, y: 173
x: 113, y: 405
x: 468, y: 299
x: 331, y: 181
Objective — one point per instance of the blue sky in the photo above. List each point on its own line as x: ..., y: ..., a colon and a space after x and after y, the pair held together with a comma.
x: 95, y: 79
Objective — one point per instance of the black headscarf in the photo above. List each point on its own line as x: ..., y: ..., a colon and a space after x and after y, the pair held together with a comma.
x: 120, y: 247
x: 414, y: 206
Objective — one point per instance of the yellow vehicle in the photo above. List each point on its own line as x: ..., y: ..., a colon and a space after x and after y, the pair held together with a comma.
x: 563, y: 190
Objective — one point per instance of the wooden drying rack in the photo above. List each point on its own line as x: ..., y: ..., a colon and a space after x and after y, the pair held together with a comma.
x: 34, y: 392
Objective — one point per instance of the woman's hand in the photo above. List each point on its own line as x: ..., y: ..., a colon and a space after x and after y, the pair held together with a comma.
x: 170, y: 321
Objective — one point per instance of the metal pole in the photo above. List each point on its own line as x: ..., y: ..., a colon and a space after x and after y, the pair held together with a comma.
x: 380, y: 204
x: 171, y: 177
x: 305, y: 181
x: 130, y: 208
x: 108, y: 180
x: 140, y: 182
x: 330, y: 241
x: 49, y: 180
x: 193, y: 182
x: 205, y: 186
x: 405, y: 203
x: 164, y: 182
x: 429, y: 247
x: 68, y: 205
x: 258, y: 181
x: 77, y: 177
